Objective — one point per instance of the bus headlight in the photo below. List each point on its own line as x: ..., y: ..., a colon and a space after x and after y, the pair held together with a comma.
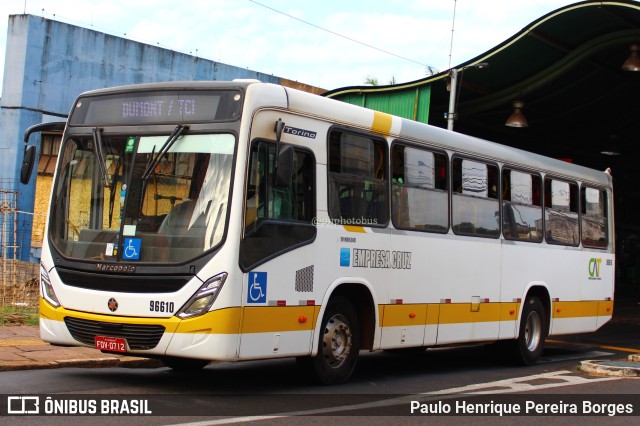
x: 47, y: 289
x: 202, y: 300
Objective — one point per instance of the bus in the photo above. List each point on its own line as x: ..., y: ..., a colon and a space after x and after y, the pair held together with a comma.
x: 230, y: 221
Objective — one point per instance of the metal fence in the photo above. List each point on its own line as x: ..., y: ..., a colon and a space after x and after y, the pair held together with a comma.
x: 19, y: 290
x: 19, y: 279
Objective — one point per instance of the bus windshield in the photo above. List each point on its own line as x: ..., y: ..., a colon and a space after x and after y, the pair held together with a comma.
x: 104, y: 209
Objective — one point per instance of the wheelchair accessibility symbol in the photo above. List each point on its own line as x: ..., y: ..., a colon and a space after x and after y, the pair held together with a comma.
x: 131, y: 249
x: 257, y: 287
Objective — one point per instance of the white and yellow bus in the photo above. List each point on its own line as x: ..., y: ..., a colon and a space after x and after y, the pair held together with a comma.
x: 230, y: 221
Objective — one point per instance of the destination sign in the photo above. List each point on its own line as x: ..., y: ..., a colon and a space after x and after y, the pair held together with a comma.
x: 157, y: 108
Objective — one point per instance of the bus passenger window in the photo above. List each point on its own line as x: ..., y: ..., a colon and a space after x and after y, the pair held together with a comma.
x: 595, y: 231
x: 521, y: 206
x: 561, y: 212
x: 357, y: 179
x: 419, y: 193
x: 475, y: 208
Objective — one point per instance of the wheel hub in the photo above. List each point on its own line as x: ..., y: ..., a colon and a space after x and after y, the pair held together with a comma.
x: 337, y: 341
x: 533, y: 331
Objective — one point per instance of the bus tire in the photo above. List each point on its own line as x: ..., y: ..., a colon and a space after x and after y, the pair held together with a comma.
x: 338, y: 345
x: 530, y: 342
x: 184, y: 364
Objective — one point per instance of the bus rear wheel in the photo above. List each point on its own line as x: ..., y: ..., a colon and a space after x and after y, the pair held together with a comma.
x: 338, y: 346
x: 533, y: 329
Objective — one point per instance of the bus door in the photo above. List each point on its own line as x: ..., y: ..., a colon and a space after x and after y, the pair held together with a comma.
x: 279, y: 294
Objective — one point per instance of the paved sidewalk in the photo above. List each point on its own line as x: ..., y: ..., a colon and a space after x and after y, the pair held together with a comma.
x: 22, y: 349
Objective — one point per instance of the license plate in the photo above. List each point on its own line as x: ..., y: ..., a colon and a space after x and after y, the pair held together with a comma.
x: 111, y: 344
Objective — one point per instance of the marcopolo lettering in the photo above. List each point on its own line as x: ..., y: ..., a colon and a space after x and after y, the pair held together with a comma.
x: 126, y: 269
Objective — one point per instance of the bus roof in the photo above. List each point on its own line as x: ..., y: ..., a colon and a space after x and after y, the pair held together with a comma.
x: 360, y: 117
x: 445, y: 139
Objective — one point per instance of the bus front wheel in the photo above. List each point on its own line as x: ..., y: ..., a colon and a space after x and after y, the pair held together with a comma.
x: 530, y: 342
x: 338, y: 346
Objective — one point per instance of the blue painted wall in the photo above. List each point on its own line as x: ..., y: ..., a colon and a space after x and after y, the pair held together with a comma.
x: 48, y: 63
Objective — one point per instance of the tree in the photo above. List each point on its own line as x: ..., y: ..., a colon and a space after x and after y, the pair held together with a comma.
x: 373, y: 81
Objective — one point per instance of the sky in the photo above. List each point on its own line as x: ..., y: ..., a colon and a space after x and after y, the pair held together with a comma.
x: 324, y: 43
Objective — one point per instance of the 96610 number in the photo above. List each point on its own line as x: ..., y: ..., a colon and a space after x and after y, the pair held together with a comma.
x: 159, y: 306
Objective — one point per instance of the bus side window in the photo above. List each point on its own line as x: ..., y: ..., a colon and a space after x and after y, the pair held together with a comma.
x: 475, y: 207
x: 561, y: 212
x: 595, y: 224
x: 357, y: 179
x: 521, y: 206
x: 420, y: 200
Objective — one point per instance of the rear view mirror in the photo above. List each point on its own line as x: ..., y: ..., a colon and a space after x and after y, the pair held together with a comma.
x: 28, y: 160
x: 29, y: 157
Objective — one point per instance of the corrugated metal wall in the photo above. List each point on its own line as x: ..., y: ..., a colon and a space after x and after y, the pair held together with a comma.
x: 411, y: 103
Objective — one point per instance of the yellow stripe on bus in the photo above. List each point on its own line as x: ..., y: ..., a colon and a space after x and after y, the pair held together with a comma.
x: 261, y: 319
x: 381, y: 123
x: 221, y: 321
x: 456, y: 313
x: 574, y: 309
x: 267, y: 319
x: 401, y: 315
x: 445, y: 313
x: 433, y: 314
x: 509, y: 311
x: 605, y: 308
x: 460, y: 313
x: 58, y: 314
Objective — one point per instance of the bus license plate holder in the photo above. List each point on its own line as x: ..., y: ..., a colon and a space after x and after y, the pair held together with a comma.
x: 111, y: 344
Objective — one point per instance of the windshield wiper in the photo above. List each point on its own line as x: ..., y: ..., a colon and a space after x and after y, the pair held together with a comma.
x: 153, y: 161
x: 112, y: 189
x: 97, y: 141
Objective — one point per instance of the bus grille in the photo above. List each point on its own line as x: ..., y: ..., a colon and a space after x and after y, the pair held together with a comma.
x: 138, y: 336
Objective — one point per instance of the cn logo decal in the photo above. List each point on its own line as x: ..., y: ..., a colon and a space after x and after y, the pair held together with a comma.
x: 594, y: 268
x: 257, y: 287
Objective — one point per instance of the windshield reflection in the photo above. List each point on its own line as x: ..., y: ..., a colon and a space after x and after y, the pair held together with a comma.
x: 176, y: 214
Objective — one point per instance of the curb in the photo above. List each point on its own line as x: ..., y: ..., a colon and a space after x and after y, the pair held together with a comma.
x: 630, y: 368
